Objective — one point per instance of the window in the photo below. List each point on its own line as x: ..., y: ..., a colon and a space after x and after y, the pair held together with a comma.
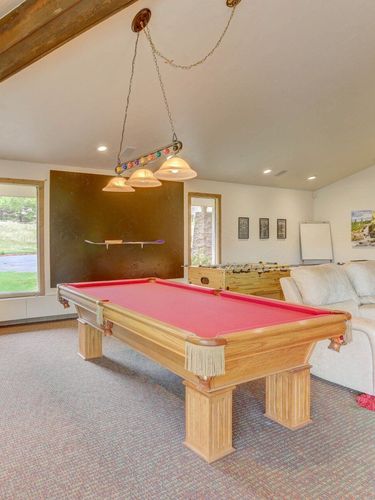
x: 204, y: 229
x: 21, y: 238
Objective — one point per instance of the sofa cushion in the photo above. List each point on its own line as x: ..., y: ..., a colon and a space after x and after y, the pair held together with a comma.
x: 324, y: 284
x: 290, y: 290
x: 367, y: 299
x: 362, y: 277
x: 367, y: 311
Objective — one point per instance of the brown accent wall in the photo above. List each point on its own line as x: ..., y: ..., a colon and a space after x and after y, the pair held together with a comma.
x: 80, y: 210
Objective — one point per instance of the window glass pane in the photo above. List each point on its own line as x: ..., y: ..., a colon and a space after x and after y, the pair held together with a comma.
x: 203, y: 231
x: 18, y: 239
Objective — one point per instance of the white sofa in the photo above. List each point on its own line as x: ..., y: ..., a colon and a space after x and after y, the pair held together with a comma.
x: 351, y: 288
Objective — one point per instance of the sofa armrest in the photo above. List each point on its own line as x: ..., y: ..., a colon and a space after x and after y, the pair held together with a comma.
x: 354, y: 365
x: 290, y: 290
x: 366, y: 326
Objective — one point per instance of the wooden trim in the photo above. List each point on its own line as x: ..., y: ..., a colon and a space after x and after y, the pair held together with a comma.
x: 30, y: 182
x: 39, y: 326
x: 40, y: 235
x: 37, y: 27
x: 41, y: 259
x: 217, y: 198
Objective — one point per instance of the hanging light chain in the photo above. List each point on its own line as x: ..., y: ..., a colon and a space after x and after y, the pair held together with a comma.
x: 174, y: 135
x: 197, y: 63
x: 128, y: 99
x: 155, y: 54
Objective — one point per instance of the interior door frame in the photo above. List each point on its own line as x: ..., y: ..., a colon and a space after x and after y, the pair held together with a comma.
x: 217, y: 198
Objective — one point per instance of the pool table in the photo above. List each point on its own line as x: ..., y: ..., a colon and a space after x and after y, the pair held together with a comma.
x: 214, y: 340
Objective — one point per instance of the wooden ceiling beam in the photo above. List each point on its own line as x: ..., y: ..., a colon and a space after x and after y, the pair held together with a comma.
x: 37, y: 27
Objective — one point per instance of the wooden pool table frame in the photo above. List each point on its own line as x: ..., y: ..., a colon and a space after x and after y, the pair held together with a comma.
x: 278, y: 353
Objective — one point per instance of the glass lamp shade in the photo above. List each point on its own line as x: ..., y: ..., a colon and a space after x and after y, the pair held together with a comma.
x: 175, y: 169
x: 143, y: 178
x: 118, y: 185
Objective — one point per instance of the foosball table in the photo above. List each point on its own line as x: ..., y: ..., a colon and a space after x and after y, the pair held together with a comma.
x: 261, y: 279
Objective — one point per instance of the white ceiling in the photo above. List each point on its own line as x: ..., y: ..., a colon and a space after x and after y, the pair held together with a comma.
x: 292, y: 88
x: 8, y: 5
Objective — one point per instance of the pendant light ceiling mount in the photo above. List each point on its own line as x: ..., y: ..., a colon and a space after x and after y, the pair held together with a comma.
x: 141, y: 20
x: 233, y: 3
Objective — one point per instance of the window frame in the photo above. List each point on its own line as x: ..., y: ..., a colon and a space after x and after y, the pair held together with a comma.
x: 217, y: 198
x: 40, y: 238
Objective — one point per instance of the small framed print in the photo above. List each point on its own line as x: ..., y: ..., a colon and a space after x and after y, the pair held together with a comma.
x: 264, y: 228
x: 243, y: 228
x: 281, y: 229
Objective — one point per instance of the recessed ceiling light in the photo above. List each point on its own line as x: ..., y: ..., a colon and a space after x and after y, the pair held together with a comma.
x: 311, y: 178
x: 102, y: 148
x: 267, y: 171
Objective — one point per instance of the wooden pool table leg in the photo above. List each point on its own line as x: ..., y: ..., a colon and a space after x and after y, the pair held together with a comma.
x: 288, y: 397
x: 208, y: 421
x: 90, y: 341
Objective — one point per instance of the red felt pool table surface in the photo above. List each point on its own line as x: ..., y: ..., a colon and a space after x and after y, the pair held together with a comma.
x: 201, y: 311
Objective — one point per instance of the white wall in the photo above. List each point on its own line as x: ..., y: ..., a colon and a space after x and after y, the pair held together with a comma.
x: 334, y: 203
x: 240, y: 200
x: 34, y: 307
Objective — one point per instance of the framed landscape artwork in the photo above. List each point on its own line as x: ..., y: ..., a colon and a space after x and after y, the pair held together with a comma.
x: 281, y: 229
x: 363, y: 228
x: 243, y: 228
x: 264, y: 228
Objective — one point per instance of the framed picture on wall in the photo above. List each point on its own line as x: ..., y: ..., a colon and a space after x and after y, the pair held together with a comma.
x: 264, y: 228
x: 363, y: 228
x: 243, y: 228
x: 281, y: 229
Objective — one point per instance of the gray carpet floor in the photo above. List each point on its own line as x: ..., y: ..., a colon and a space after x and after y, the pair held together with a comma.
x: 113, y: 429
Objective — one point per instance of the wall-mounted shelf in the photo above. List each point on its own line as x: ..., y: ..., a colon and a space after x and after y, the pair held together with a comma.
x: 108, y: 243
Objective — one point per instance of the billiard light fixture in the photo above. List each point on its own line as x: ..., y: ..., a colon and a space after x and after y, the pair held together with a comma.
x: 174, y: 167
x: 118, y: 185
x: 143, y: 177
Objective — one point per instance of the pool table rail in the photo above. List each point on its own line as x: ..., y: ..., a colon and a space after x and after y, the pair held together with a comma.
x: 166, y: 343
